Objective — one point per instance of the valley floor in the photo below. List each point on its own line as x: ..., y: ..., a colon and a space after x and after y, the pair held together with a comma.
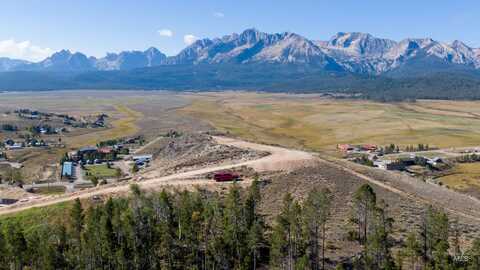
x: 301, y: 133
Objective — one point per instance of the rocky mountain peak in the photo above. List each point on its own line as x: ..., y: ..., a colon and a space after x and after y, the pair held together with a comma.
x: 357, y: 52
x: 360, y: 44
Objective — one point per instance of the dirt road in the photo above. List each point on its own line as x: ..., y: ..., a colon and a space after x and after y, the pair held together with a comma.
x: 279, y: 159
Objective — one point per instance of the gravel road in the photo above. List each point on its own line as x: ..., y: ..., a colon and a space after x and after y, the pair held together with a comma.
x: 278, y: 159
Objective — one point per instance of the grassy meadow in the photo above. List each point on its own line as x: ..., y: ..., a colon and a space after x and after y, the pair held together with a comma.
x: 100, y: 171
x: 319, y: 124
x: 52, y: 214
x: 123, y: 125
x: 463, y: 177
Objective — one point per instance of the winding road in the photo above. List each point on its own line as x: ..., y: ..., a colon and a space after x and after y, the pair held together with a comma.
x: 278, y: 159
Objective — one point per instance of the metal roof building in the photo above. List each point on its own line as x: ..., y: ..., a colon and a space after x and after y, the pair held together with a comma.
x: 143, y: 157
x: 67, y: 169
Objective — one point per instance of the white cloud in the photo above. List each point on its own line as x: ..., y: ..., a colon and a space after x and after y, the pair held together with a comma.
x: 165, y: 33
x: 189, y: 39
x: 23, y: 50
x: 218, y: 14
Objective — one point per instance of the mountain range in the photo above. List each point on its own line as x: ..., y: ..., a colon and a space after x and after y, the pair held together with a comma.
x: 357, y: 53
x: 352, y: 64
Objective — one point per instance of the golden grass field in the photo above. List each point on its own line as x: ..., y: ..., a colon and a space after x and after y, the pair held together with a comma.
x: 124, y: 119
x: 303, y: 121
x: 124, y: 125
x: 463, y: 176
x: 320, y: 124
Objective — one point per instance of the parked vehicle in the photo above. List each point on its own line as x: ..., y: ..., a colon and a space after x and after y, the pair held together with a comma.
x: 226, y: 176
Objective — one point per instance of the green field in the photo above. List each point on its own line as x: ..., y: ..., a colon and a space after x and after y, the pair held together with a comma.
x: 53, y: 214
x: 100, y: 171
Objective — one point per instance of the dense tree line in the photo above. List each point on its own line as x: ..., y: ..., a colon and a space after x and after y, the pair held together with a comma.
x: 204, y: 230
x: 468, y: 158
x: 183, y: 230
x: 419, y: 83
x: 419, y: 147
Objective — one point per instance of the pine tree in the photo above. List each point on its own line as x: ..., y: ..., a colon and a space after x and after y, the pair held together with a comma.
x: 434, y: 235
x: 165, y: 245
x: 287, y: 247
x: 364, y: 201
x: 3, y: 249
x: 77, y: 219
x: 16, y: 245
x: 235, y: 232
x: 107, y: 234
x: 412, y: 250
x: 316, y: 212
x: 255, y: 225
x: 255, y: 241
x: 379, y: 242
x: 252, y: 203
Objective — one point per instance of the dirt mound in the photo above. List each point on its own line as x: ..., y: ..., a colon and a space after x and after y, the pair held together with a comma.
x: 190, y: 151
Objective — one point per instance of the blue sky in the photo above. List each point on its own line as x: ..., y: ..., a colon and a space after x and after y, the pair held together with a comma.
x: 33, y: 29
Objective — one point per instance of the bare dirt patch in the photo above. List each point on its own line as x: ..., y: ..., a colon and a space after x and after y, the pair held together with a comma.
x: 191, y: 151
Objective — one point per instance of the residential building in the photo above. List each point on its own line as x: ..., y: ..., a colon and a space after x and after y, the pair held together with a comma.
x: 67, y: 170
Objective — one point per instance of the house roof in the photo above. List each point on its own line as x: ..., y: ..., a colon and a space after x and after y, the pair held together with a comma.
x: 87, y: 149
x: 142, y: 157
x: 67, y: 169
x: 105, y: 150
